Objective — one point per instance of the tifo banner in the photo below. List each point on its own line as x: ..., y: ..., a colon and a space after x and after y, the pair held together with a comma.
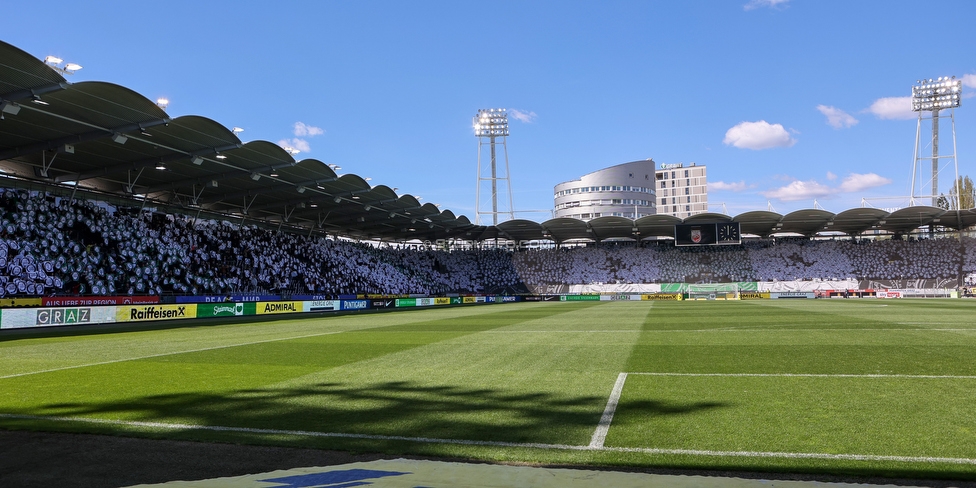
x: 141, y: 313
x: 278, y: 307
x: 664, y: 296
x: 228, y: 298
x: 615, y: 288
x: 94, y: 301
x: 807, y: 285
x: 205, y: 310
x: 753, y: 295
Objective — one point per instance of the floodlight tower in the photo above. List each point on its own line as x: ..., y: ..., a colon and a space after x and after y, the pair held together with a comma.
x: 933, y: 96
x: 490, y: 124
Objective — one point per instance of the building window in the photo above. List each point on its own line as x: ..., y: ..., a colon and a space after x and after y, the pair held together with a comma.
x: 687, y: 191
x: 664, y: 201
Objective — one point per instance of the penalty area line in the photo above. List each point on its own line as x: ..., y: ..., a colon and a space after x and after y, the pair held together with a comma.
x: 600, y: 434
x: 528, y: 445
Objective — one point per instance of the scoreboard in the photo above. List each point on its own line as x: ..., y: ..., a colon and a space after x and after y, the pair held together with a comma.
x: 715, y: 234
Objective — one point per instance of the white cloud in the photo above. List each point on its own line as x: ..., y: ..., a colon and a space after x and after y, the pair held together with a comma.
x: 857, y: 182
x: 805, y: 190
x: 754, y: 4
x: 969, y: 81
x: 303, y: 130
x: 799, y: 190
x: 893, y: 108
x: 721, y: 185
x: 758, y: 135
x: 836, y: 117
x: 301, y: 145
x: 522, y: 115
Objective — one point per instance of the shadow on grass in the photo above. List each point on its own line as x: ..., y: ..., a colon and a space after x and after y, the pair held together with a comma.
x: 392, y: 408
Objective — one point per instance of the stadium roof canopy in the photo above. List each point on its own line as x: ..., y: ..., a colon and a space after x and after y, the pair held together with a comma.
x: 101, y: 137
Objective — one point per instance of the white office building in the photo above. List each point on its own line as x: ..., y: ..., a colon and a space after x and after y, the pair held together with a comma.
x: 682, y: 190
x: 634, y: 190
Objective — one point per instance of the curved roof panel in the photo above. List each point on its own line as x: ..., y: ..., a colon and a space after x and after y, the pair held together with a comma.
x: 857, y: 220
x: 905, y: 220
x: 563, y: 229
x: 806, y: 222
x: 657, y: 225
x: 759, y: 222
x: 613, y: 228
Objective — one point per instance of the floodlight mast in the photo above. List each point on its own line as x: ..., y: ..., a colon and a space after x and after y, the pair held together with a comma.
x: 490, y: 124
x: 934, y: 95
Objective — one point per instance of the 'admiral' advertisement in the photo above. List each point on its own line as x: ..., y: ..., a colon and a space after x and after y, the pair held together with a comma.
x: 279, y: 307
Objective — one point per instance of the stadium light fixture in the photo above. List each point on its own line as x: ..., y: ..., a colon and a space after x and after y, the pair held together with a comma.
x: 160, y: 166
x: 337, y: 199
x: 274, y: 173
x: 255, y: 176
x: 9, y: 107
x: 162, y: 102
x: 220, y: 156
x: 197, y: 160
x: 119, y: 138
x: 237, y: 130
x: 934, y: 95
x: 55, y: 63
x: 300, y: 189
x: 941, y: 93
x: 491, y: 122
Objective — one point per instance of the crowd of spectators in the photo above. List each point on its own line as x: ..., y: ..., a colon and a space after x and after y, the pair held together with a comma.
x: 51, y: 245
x: 762, y: 260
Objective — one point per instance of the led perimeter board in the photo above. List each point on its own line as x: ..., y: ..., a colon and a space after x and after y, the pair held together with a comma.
x: 715, y: 234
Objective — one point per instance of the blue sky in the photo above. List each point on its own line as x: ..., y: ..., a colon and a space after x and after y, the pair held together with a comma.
x: 785, y: 101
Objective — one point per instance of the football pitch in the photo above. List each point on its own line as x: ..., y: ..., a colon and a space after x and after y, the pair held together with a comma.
x: 863, y: 387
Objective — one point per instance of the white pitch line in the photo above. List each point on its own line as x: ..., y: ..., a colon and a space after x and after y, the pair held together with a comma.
x: 815, y: 375
x: 600, y: 434
x: 529, y: 445
x: 150, y: 356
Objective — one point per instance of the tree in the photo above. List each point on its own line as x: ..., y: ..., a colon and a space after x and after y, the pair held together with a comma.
x: 967, y: 194
x: 942, y: 202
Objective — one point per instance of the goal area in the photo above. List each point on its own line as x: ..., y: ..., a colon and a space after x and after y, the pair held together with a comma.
x: 713, y: 291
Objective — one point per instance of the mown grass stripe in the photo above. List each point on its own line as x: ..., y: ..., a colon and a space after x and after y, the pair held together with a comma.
x: 163, y: 354
x: 528, y: 445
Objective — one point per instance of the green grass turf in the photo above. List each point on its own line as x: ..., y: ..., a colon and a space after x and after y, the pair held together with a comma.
x: 538, y: 374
